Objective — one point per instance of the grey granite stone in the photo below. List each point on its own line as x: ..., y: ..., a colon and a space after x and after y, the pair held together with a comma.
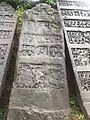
x: 76, y: 16
x: 8, y: 20
x: 40, y: 89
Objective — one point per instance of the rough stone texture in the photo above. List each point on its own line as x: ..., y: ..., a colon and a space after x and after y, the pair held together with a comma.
x: 35, y: 114
x: 8, y: 20
x: 76, y: 15
x: 40, y: 88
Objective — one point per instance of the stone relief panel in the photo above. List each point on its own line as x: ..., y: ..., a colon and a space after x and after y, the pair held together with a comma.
x: 81, y: 56
x: 55, y: 51
x: 8, y: 20
x: 42, y: 14
x: 41, y: 37
x: 75, y: 12
x: 7, y: 17
x: 73, y: 3
x: 76, y: 20
x: 84, y: 77
x: 5, y: 34
x: 41, y: 63
x: 42, y: 50
x: 41, y: 27
x: 3, y: 50
x: 40, y: 76
x: 8, y: 25
x: 79, y: 37
x: 77, y: 23
x: 32, y: 50
x: 27, y: 50
x: 28, y: 38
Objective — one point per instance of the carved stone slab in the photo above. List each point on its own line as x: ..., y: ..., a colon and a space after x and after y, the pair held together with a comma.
x: 77, y: 34
x: 40, y: 87
x: 74, y: 3
x: 8, y: 20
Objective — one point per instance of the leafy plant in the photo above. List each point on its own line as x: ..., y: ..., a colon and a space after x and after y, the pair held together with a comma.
x: 51, y: 2
x: 17, y: 3
x: 20, y: 12
x: 3, y: 113
x: 76, y: 113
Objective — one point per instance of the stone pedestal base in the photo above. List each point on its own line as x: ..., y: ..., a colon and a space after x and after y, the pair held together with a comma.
x: 35, y: 114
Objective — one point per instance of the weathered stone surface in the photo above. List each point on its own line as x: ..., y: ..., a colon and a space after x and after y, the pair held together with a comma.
x: 74, y: 3
x: 40, y: 87
x: 76, y: 15
x: 35, y: 114
x: 8, y: 20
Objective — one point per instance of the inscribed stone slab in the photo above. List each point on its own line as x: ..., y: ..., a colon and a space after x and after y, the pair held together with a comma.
x: 76, y: 15
x: 8, y: 20
x: 40, y: 88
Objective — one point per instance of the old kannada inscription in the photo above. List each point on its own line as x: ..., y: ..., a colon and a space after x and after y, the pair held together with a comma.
x: 77, y: 23
x: 8, y: 19
x: 73, y: 3
x: 81, y: 56
x: 84, y: 77
x: 3, y: 49
x: 40, y: 77
x: 79, y: 37
x: 76, y: 15
x: 74, y: 12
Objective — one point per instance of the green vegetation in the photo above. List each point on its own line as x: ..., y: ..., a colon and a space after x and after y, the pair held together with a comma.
x: 3, y: 113
x: 76, y: 113
x: 51, y: 2
x: 17, y: 3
